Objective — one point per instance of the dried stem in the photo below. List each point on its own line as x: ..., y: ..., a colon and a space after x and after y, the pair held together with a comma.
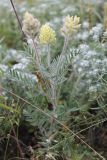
x: 14, y: 9
x: 18, y: 19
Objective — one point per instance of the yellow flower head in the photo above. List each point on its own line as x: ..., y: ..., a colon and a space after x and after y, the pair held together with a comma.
x: 71, y: 25
x: 47, y: 34
x: 31, y: 25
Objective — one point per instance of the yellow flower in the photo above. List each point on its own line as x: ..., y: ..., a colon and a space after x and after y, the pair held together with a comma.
x: 47, y: 34
x: 71, y: 25
x: 31, y: 25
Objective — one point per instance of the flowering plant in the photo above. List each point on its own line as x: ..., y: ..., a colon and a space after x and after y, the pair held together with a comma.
x: 55, y: 70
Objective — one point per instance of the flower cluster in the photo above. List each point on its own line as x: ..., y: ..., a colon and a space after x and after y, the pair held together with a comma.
x: 71, y: 25
x: 31, y: 25
x: 47, y: 34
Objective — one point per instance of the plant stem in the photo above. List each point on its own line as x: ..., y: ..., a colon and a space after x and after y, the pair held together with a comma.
x: 37, y: 54
x: 63, y: 51
x: 53, y: 99
x: 48, y: 56
x: 66, y: 40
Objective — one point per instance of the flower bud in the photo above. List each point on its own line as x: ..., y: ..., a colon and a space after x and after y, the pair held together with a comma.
x: 31, y: 25
x: 70, y: 26
x: 47, y: 35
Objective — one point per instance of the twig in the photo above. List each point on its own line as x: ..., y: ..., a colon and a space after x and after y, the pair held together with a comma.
x: 18, y: 19
x: 14, y: 9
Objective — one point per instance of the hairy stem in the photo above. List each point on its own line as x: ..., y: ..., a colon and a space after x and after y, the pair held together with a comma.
x: 48, y: 56
x: 53, y: 98
x: 66, y: 40
x: 37, y: 53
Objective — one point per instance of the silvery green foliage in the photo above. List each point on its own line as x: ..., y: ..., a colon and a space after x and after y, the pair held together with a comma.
x: 16, y: 56
x: 89, y: 66
x: 19, y: 71
x: 96, y: 32
x: 3, y: 67
x: 26, y: 79
x: 104, y: 45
